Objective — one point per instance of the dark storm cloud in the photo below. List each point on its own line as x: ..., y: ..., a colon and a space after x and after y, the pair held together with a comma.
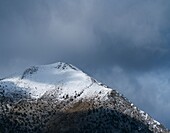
x: 122, y: 43
x: 131, y: 34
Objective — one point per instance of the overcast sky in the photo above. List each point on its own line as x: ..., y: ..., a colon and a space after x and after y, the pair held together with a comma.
x: 122, y: 43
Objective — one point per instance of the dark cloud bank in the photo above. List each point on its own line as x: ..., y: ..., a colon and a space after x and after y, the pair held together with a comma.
x: 124, y: 44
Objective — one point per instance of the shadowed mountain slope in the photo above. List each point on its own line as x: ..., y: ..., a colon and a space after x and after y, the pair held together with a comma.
x: 60, y: 98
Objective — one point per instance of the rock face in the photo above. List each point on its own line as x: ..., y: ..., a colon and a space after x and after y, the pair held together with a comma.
x: 60, y: 98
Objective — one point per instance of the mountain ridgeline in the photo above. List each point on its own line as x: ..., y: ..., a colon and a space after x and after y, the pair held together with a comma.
x: 60, y: 98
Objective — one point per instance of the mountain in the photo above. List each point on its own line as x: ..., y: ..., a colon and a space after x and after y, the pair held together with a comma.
x: 60, y: 98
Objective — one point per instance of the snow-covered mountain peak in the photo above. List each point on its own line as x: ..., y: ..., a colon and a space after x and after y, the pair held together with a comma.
x: 61, y: 96
x: 50, y: 69
x: 56, y: 80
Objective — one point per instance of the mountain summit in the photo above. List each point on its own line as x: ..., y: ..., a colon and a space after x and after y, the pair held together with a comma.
x: 60, y: 98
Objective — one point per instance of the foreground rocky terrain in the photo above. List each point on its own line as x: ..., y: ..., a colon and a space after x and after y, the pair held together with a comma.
x: 60, y: 98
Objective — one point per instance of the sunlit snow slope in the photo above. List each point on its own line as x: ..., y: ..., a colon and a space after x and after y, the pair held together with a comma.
x: 56, y: 80
x: 48, y: 90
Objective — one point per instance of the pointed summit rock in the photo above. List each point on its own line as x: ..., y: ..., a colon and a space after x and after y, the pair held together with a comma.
x: 60, y: 98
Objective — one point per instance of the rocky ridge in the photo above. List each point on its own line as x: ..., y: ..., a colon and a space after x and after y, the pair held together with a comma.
x: 61, y: 98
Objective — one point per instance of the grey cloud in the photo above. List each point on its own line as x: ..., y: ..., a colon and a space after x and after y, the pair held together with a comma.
x: 122, y: 43
x: 148, y: 90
